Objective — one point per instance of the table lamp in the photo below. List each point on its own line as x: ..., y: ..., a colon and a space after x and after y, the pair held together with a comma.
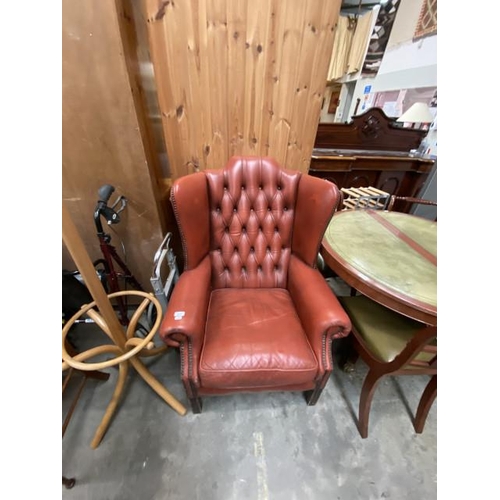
x: 418, y: 113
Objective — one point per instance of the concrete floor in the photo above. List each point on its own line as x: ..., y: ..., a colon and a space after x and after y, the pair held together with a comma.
x: 267, y: 446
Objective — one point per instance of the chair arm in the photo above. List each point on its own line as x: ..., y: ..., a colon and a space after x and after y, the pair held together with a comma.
x: 321, y: 314
x: 186, y: 312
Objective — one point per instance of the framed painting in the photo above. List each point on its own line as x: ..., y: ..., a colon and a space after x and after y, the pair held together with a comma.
x: 334, y: 99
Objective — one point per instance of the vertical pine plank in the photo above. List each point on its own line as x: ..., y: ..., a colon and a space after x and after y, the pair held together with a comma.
x: 217, y: 56
x: 317, y: 84
x: 263, y: 95
x: 240, y: 77
x: 193, y: 91
x: 291, y: 38
x: 257, y: 48
x: 304, y: 72
x: 317, y: 35
x: 266, y: 109
x: 165, y: 46
x: 236, y: 67
x: 203, y: 108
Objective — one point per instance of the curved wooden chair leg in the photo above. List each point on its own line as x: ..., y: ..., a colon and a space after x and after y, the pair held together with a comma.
x: 365, y: 401
x: 110, y: 410
x: 425, y: 404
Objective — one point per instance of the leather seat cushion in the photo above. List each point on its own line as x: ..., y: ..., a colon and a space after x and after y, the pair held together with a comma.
x: 254, y: 338
x: 385, y: 333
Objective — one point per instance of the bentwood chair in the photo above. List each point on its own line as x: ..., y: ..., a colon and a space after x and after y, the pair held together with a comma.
x: 251, y: 312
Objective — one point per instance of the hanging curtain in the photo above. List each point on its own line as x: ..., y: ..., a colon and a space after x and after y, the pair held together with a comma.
x: 350, y: 45
x: 359, y: 43
x: 344, y: 33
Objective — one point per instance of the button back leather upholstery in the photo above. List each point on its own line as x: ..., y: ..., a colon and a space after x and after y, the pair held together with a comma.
x: 251, y: 217
x: 250, y: 235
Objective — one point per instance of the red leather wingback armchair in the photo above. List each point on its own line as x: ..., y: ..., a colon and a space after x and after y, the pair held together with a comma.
x: 251, y: 312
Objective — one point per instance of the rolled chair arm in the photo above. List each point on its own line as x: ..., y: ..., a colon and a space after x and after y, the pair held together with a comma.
x: 321, y: 314
x: 186, y: 313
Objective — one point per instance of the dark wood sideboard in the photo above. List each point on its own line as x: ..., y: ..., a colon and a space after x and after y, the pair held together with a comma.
x: 371, y: 150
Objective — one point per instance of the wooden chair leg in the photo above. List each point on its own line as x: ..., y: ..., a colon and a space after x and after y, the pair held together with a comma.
x: 365, y: 400
x: 68, y: 482
x: 312, y: 396
x: 428, y: 397
x: 196, y: 405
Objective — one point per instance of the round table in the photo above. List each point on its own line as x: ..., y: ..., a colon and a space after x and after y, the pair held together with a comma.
x: 390, y: 257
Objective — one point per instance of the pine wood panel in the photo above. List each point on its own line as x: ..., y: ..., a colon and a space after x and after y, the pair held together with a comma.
x: 240, y: 77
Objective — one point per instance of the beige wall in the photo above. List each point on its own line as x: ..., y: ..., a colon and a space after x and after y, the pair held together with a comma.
x: 101, y: 142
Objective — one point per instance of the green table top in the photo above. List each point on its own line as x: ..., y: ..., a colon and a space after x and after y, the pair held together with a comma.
x: 392, y: 251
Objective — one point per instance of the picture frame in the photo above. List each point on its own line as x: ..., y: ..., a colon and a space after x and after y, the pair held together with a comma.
x: 334, y: 99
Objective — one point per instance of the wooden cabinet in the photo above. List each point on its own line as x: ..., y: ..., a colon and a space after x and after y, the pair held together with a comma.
x: 371, y: 151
